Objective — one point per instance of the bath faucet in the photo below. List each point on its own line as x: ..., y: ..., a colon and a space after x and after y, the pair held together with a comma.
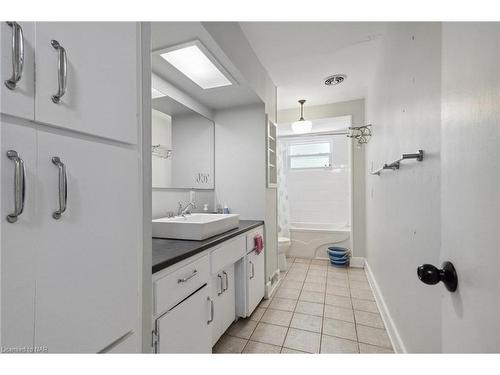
x: 186, y: 210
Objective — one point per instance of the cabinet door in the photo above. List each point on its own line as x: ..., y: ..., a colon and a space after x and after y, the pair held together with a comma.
x: 19, y: 100
x: 184, y: 329
x: 224, y: 298
x: 255, y: 279
x: 18, y: 240
x: 102, y: 90
x: 227, y: 309
x: 215, y: 294
x: 87, y: 262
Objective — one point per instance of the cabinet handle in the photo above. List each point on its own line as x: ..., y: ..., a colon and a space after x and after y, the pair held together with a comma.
x: 220, y: 285
x: 184, y: 279
x: 211, y: 310
x: 225, y: 278
x: 17, y: 55
x: 19, y: 186
x: 253, y: 270
x: 63, y: 187
x: 62, y: 71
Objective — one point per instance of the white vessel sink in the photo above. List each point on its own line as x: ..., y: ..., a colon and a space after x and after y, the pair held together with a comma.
x: 194, y: 226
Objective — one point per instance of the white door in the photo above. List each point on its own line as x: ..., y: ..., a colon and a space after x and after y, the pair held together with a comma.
x: 17, y: 86
x: 18, y: 243
x: 87, y: 261
x: 470, y: 208
x: 185, y: 328
x: 255, y: 280
x: 101, y: 77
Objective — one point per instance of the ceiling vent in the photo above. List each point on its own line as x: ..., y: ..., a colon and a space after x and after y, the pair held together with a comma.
x: 334, y: 80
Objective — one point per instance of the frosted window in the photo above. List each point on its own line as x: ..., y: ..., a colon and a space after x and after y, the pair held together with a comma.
x: 310, y: 148
x: 309, y: 155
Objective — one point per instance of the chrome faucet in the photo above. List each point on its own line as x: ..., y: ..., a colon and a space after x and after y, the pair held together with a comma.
x: 186, y: 210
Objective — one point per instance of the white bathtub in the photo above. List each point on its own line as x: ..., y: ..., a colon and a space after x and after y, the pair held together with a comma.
x: 311, y: 240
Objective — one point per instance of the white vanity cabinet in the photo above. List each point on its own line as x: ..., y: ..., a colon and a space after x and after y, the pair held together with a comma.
x: 93, y: 67
x: 17, y: 86
x: 197, y: 299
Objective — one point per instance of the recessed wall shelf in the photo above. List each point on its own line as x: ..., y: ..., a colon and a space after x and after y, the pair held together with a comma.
x: 419, y: 156
x: 271, y: 157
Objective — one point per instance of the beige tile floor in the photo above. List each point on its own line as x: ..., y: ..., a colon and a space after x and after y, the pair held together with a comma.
x: 317, y: 309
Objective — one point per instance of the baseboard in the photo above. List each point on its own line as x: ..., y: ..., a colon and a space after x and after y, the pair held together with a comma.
x: 392, y: 331
x: 271, y: 288
x: 357, y: 262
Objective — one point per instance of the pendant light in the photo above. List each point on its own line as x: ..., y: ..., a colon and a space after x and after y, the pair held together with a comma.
x: 302, y: 126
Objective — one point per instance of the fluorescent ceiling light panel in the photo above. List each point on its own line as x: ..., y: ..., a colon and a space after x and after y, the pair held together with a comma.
x: 197, y: 66
x: 156, y: 93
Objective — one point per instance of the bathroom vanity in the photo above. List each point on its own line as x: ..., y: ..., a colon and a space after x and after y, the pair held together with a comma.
x: 201, y: 287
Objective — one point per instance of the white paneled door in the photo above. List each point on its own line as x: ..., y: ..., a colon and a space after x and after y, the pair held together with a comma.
x: 91, y: 71
x: 17, y: 89
x: 18, y: 240
x: 470, y: 139
x: 87, y: 266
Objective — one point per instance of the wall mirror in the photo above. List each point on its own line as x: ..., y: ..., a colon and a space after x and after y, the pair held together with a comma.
x: 182, y: 146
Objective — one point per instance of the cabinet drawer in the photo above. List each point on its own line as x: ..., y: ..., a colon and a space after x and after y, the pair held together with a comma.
x: 179, y: 284
x: 250, y: 237
x: 229, y: 252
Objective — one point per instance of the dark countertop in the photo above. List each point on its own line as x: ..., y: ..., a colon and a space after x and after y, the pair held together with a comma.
x: 167, y: 252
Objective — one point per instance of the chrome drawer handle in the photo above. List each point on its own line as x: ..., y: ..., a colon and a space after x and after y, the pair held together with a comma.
x: 63, y: 187
x: 211, y: 310
x: 17, y: 55
x: 226, y: 280
x: 183, y: 280
x: 62, y: 71
x: 220, y: 285
x: 253, y: 270
x: 19, y: 186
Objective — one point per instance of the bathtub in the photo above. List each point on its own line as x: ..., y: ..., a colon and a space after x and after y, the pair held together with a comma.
x: 311, y: 240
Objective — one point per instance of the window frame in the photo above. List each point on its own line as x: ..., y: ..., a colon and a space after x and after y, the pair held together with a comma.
x: 306, y: 142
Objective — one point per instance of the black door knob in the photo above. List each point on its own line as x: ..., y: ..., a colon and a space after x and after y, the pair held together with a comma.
x: 429, y: 274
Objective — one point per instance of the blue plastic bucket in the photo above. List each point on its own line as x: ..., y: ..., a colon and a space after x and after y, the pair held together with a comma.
x: 339, y: 256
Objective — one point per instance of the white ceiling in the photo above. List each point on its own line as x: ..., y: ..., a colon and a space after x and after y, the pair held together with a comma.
x: 300, y: 55
x: 168, y: 34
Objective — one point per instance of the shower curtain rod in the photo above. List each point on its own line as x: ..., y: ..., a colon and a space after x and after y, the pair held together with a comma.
x: 312, y: 134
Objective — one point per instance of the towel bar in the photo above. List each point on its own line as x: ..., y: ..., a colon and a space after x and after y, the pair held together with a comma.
x: 419, y: 156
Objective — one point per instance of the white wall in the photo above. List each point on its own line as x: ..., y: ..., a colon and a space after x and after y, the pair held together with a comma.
x: 403, y: 207
x: 355, y: 109
x: 322, y: 195
x: 240, y: 160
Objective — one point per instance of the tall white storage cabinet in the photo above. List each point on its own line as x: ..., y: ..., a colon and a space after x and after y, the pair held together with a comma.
x: 71, y: 248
